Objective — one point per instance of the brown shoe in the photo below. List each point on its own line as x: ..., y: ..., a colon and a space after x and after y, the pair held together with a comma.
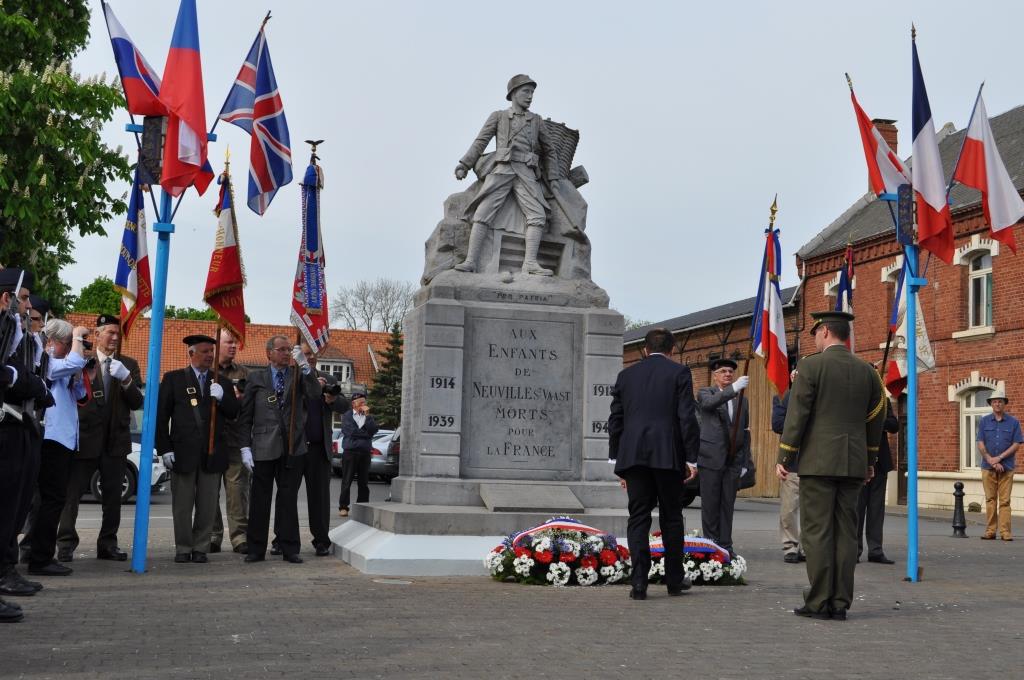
x: 1007, y: 538
x: 988, y: 537
x: 343, y: 512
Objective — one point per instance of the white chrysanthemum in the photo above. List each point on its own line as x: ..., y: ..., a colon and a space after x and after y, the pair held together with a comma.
x: 522, y: 565
x: 586, y: 576
x: 558, y: 573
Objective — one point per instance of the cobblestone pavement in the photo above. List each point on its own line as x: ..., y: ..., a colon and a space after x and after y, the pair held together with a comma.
x: 324, y: 619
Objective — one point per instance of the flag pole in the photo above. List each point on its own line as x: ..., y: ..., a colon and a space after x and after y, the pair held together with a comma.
x: 213, y: 402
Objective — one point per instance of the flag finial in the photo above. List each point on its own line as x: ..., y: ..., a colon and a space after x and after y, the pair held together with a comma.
x: 913, y: 31
x: 265, y: 20
x: 774, y: 209
x: 227, y: 157
x: 313, y: 143
x: 848, y: 81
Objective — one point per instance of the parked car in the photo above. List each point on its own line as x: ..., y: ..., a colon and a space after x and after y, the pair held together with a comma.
x: 336, y: 452
x: 384, y: 465
x: 129, y: 486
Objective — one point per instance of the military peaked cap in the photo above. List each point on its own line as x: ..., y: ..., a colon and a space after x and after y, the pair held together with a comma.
x: 831, y: 315
x: 9, y: 279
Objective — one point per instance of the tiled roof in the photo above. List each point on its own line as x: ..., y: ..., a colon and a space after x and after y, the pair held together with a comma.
x: 869, y: 217
x: 732, y: 310
x: 345, y: 344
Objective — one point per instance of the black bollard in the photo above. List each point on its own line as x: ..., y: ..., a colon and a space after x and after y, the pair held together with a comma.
x: 959, y: 519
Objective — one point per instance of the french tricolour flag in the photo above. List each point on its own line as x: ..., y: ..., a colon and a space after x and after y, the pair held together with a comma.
x: 934, y: 225
x: 140, y: 82
x: 980, y: 166
x: 185, y: 146
x: 768, y: 331
x: 131, y: 278
x: 844, y: 291
x: 885, y: 172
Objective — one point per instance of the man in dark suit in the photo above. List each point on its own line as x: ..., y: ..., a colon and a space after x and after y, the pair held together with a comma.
x: 357, y: 430
x: 316, y: 469
x: 871, y: 504
x: 274, y: 437
x: 721, y: 460
x: 653, y: 439
x: 184, y: 407
x: 834, y: 421
x: 104, y: 440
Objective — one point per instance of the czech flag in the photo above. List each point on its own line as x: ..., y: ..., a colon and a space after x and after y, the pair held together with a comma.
x: 184, y: 162
x: 132, y: 277
x: 981, y: 167
x: 768, y: 332
x: 934, y: 224
x: 140, y: 82
x: 226, y: 278
x: 885, y: 172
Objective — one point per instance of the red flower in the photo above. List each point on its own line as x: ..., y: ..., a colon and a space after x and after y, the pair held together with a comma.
x: 566, y: 557
x: 588, y: 562
x: 499, y: 549
x: 543, y: 556
x: 523, y: 552
x: 623, y: 552
x: 608, y: 557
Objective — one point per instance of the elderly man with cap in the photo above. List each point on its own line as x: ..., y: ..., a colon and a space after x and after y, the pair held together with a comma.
x: 20, y: 390
x: 999, y: 437
x: 357, y: 430
x: 521, y: 139
x: 104, y: 440
x: 834, y: 423
x: 184, y: 408
x: 273, y: 418
x: 722, y: 458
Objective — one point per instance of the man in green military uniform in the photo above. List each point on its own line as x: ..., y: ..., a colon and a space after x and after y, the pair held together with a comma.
x: 834, y: 422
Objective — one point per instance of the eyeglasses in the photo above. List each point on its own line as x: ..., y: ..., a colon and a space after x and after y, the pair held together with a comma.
x: 282, y: 349
x: 36, y: 318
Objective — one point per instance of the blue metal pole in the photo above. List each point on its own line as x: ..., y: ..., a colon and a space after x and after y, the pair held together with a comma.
x: 913, y: 283
x: 156, y: 337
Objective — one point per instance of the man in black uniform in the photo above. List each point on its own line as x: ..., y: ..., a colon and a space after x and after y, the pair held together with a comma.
x: 19, y: 439
x: 187, y: 396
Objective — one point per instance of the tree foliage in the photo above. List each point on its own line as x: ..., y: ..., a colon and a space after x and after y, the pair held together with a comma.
x: 373, y: 305
x: 55, y: 171
x: 386, y: 394
x: 99, y: 297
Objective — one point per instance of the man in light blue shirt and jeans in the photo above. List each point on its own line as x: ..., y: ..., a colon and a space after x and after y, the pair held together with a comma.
x: 999, y: 436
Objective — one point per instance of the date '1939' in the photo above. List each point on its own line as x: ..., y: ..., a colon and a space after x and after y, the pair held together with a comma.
x: 434, y: 420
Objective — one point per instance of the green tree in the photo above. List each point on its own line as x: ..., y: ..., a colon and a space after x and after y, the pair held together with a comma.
x: 172, y: 312
x: 386, y: 394
x: 99, y: 297
x: 55, y: 172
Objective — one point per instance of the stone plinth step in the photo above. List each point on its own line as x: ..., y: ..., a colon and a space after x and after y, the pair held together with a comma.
x: 529, y: 498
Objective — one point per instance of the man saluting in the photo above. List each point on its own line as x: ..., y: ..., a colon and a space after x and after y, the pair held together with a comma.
x: 834, y: 422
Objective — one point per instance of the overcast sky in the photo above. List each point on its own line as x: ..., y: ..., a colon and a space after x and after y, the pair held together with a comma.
x: 691, y: 117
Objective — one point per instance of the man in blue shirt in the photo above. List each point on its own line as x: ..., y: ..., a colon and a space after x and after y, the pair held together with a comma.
x: 999, y: 436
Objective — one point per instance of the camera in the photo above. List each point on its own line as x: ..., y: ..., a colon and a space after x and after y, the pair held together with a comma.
x: 239, y: 384
x: 333, y: 390
x: 86, y: 344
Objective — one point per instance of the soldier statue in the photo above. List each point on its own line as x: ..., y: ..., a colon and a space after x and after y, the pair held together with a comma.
x: 524, y: 162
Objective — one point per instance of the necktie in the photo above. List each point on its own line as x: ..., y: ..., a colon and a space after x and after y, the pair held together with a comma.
x: 106, y: 374
x: 202, y: 384
x: 279, y: 387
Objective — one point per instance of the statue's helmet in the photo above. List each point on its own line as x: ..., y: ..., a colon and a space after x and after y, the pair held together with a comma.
x: 517, y: 82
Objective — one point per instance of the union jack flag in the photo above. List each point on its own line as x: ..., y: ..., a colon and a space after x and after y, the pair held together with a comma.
x: 254, y: 104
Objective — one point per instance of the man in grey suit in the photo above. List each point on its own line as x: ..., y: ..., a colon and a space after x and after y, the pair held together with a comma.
x: 269, y: 414
x: 721, y: 461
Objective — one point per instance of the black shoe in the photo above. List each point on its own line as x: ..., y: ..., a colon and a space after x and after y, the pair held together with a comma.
x: 53, y: 568
x: 12, y: 605
x: 10, y: 613
x: 804, y: 611
x: 65, y: 555
x: 183, y: 558
x: 215, y: 547
x: 253, y: 557
x: 10, y: 585
x: 803, y: 557
x: 199, y: 557
x: 294, y: 559
x: 839, y: 615
x: 115, y: 554
x: 791, y: 558
x: 880, y: 559
x: 323, y: 551
x: 635, y: 594
x: 242, y: 548
x: 34, y: 585
x: 275, y: 549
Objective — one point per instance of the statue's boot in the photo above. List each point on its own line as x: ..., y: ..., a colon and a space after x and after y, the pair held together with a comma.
x: 476, y: 242
x: 530, y: 264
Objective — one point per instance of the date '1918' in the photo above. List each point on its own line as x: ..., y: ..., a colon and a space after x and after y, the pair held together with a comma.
x: 434, y: 420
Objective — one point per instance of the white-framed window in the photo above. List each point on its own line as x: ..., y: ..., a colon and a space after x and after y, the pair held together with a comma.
x: 342, y: 370
x: 979, y: 291
x: 973, y: 407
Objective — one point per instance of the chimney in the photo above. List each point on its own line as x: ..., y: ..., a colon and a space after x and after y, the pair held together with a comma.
x: 887, y: 129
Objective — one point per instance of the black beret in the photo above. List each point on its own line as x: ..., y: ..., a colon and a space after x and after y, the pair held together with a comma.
x: 39, y: 304
x: 9, y: 279
x: 358, y: 395
x: 198, y: 338
x: 106, y: 320
x: 723, y: 363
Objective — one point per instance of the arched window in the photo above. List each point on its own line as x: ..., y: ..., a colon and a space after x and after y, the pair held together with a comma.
x: 973, y: 406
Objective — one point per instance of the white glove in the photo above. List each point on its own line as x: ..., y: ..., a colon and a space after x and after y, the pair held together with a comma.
x: 14, y: 373
x: 300, y: 359
x: 168, y: 459
x: 743, y: 471
x: 216, y: 391
x: 740, y: 383
x: 247, y: 458
x: 118, y: 371
x: 37, y: 351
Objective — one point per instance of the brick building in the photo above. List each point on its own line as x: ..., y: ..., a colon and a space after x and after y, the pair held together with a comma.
x: 971, y: 309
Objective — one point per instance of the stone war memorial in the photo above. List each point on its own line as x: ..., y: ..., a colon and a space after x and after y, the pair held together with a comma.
x: 510, y: 356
